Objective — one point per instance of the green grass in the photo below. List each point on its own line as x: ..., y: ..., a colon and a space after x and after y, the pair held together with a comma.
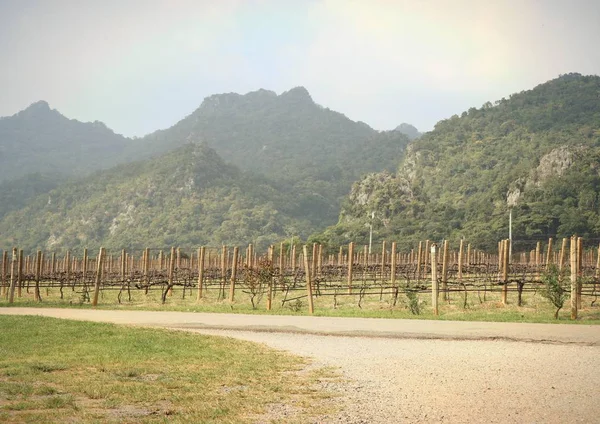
x: 479, y: 307
x: 58, y: 371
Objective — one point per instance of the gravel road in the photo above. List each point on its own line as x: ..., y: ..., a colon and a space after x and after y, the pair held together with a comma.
x: 442, y: 381
x: 429, y: 377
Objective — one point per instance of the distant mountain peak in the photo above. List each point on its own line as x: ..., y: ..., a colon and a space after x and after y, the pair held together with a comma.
x: 408, y: 130
x: 40, y: 105
x: 39, y: 109
x: 298, y: 93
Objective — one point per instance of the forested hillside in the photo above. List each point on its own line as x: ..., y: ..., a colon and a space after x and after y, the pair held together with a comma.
x: 309, y: 152
x: 312, y: 150
x: 188, y: 197
x: 536, y: 152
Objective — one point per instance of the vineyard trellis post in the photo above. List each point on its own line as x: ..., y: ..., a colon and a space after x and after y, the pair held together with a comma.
x: 460, y: 260
x: 270, y: 289
x: 4, y: 265
x: 98, y: 276
x: 434, y: 281
x: 573, y: 277
x: 233, y: 273
x: 38, y: 271
x: 563, y: 251
x: 579, y: 274
x: 445, y: 270
x: 549, y: 253
x: 505, y: 261
x: 350, y: 263
x: 308, y: 281
x: 20, y: 273
x: 201, y: 254
x: 13, y: 276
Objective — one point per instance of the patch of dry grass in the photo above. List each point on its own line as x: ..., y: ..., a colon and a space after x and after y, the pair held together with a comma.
x: 482, y: 306
x: 68, y: 371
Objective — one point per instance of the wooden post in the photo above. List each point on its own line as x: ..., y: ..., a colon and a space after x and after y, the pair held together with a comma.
x: 574, y: 277
x: 223, y: 271
x: 597, y: 271
x: 38, y: 271
x: 500, y: 258
x: 505, y: 258
x: 434, y: 282
x: 201, y: 254
x: 123, y: 264
x: 172, y: 260
x: 419, y: 258
x: 579, y: 280
x: 13, y: 275
x: 68, y: 266
x: 445, y: 270
x: 270, y: 290
x: 234, y: 272
x: 549, y: 253
x: 319, y: 259
x: 350, y: 263
x: 100, y: 264
x: 314, y: 260
x: 20, y: 273
x: 427, y: 257
x: 460, y: 260
x: 281, y: 260
x: 538, y: 259
x: 563, y: 251
x: 146, y: 268
x: 308, y: 280
x: 294, y: 259
x: 383, y: 260
x: 4, y: 265
x: 468, y: 258
x: 393, y: 264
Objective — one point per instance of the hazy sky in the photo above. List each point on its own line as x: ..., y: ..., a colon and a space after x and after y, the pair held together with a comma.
x: 141, y: 65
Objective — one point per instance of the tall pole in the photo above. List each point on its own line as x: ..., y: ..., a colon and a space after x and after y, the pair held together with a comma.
x: 371, y: 231
x: 509, y: 234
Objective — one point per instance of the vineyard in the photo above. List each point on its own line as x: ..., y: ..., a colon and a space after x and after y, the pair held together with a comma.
x: 300, y: 276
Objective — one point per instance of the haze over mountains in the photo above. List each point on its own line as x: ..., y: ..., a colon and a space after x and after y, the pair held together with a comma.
x: 262, y: 167
x: 294, y: 150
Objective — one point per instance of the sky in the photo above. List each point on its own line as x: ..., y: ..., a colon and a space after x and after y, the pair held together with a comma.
x: 142, y: 65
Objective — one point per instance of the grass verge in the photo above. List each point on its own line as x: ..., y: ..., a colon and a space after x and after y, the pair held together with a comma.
x: 482, y: 306
x: 56, y: 371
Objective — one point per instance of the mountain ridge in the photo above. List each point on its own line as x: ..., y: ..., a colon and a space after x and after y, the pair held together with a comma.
x: 455, y: 181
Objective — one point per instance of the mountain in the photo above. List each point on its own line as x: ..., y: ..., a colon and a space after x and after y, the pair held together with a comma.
x: 187, y: 197
x: 40, y: 139
x: 312, y: 150
x: 537, y: 153
x: 408, y: 130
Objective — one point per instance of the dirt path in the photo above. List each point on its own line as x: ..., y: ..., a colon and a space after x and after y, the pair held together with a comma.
x: 420, y: 371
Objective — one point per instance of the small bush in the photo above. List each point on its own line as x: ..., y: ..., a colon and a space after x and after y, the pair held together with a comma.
x: 553, y: 290
x: 413, y: 300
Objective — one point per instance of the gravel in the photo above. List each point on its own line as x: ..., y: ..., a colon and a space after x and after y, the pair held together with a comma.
x: 442, y: 381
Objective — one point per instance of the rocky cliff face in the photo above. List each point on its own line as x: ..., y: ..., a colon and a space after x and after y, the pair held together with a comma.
x: 553, y: 164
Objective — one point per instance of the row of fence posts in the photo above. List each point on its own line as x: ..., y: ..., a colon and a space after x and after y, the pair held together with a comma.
x: 426, y: 251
